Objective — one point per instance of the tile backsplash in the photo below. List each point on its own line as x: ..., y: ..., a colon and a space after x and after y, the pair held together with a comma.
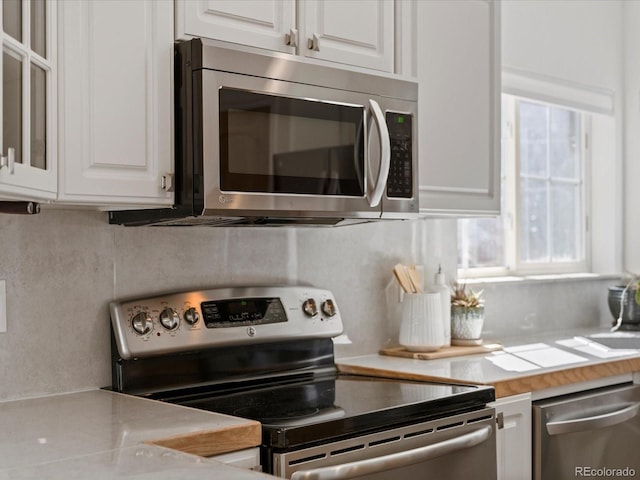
x: 62, y: 267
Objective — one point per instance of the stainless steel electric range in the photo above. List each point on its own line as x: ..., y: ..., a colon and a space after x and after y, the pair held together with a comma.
x: 266, y: 353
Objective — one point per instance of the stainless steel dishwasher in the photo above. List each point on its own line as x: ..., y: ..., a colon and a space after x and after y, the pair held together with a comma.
x: 592, y: 434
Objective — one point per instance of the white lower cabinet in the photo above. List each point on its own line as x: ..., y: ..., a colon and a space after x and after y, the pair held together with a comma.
x: 248, y: 458
x: 115, y: 102
x: 514, y: 437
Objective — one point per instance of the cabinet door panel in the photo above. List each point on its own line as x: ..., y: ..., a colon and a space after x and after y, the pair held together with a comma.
x: 359, y: 33
x: 258, y: 23
x: 27, y: 106
x: 513, y: 437
x: 116, y: 101
x: 459, y: 74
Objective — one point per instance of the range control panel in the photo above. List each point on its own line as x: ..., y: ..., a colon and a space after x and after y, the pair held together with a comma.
x: 195, y: 320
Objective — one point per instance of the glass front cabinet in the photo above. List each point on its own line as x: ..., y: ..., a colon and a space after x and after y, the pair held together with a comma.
x: 28, y: 100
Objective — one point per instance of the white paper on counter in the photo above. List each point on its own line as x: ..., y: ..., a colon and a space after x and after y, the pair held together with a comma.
x: 550, y: 357
x: 511, y: 363
x: 584, y: 345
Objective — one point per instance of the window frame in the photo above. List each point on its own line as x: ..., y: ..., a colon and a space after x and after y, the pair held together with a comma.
x: 510, y: 180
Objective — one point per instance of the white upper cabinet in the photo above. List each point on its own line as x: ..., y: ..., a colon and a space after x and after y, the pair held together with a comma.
x: 116, y: 102
x: 28, y: 100
x: 356, y: 32
x: 259, y: 23
x: 352, y: 32
x: 458, y: 62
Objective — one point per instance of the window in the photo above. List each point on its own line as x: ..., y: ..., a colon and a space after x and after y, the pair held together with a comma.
x: 543, y: 225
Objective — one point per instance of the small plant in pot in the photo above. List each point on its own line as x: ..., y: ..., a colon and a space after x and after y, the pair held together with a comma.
x: 624, y: 303
x: 467, y: 315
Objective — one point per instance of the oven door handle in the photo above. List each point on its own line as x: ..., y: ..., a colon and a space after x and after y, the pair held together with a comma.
x: 375, y: 195
x: 595, y: 422
x: 395, y: 460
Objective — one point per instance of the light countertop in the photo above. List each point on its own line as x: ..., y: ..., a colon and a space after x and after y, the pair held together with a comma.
x: 537, y: 362
x: 107, y: 435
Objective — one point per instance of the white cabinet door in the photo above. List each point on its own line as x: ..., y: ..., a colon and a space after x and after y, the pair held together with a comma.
x: 513, y: 438
x: 116, y: 101
x: 28, y: 100
x: 352, y: 32
x: 356, y: 32
x: 258, y: 23
x: 458, y: 48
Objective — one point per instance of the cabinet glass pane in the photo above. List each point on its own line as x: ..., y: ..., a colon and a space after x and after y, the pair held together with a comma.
x: 38, y: 27
x: 12, y: 18
x: 38, y: 117
x: 12, y: 104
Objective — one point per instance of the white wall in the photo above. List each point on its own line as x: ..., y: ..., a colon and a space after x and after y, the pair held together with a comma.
x: 574, y: 40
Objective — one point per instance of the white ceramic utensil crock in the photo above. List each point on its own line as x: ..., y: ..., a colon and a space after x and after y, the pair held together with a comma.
x: 422, y: 329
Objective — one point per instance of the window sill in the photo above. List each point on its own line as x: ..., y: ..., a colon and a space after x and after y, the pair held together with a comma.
x: 533, y: 279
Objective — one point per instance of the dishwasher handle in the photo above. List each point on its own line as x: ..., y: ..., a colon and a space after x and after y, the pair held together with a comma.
x: 395, y: 460
x: 595, y: 422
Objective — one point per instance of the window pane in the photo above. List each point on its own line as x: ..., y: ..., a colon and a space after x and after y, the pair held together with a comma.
x: 12, y: 18
x: 564, y: 144
x: 485, y: 247
x: 38, y: 117
x: 38, y: 27
x: 533, y: 220
x: 565, y: 223
x: 533, y: 138
x: 12, y: 104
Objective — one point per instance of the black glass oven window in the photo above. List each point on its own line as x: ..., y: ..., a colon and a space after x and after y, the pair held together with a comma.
x: 240, y: 312
x: 276, y: 144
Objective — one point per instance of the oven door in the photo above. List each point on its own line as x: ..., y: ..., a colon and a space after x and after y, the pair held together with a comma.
x: 456, y: 447
x: 275, y: 147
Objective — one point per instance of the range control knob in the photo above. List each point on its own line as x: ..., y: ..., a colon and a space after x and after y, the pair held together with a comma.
x: 329, y: 307
x: 169, y: 319
x: 310, y: 308
x: 141, y: 323
x: 191, y: 316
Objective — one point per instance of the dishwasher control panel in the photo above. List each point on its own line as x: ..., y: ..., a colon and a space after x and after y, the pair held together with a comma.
x: 195, y: 320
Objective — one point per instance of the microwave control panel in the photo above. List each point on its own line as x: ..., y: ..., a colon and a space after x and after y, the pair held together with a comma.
x: 400, y: 182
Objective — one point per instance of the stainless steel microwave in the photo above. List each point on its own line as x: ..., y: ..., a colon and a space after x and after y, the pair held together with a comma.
x: 275, y: 139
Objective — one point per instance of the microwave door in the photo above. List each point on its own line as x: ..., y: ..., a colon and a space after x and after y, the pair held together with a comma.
x: 273, y: 148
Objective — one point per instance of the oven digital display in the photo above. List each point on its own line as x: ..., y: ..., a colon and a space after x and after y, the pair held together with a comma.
x: 242, y: 312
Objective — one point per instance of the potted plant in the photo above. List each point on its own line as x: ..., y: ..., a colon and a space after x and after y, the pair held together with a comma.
x: 624, y: 302
x: 467, y: 315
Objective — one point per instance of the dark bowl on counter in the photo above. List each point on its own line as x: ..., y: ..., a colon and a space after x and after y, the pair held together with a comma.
x: 631, y: 313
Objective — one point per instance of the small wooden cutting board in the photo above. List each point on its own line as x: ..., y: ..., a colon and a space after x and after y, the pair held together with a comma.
x: 452, y: 351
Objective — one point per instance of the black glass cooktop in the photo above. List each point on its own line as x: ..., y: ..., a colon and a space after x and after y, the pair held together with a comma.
x: 336, y: 406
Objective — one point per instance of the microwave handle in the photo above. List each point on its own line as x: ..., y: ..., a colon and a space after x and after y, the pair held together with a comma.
x: 396, y: 460
x: 375, y: 195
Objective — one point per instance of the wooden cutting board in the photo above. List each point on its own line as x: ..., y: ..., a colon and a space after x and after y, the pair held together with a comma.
x: 452, y: 351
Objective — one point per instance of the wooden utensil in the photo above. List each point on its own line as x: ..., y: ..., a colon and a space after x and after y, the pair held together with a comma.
x: 401, y: 275
x: 414, y: 276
